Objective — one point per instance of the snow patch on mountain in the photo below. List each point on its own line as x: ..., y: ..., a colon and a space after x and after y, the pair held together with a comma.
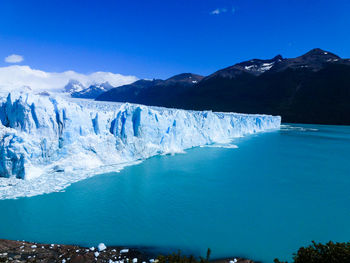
x: 260, y: 67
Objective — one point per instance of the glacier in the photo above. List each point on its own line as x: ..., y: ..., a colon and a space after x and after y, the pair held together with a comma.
x: 48, y: 141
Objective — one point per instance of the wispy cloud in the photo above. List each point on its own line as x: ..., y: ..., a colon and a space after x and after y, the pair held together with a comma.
x: 222, y: 10
x: 14, y: 58
x: 218, y: 11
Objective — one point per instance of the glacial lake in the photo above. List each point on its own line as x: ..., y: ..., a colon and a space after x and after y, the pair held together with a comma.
x: 276, y: 192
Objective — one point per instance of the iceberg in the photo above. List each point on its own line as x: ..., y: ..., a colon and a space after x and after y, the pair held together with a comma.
x: 49, y: 142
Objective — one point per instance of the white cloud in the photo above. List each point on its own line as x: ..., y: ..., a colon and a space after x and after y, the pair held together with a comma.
x: 219, y: 11
x: 215, y: 12
x: 14, y: 58
x: 14, y: 77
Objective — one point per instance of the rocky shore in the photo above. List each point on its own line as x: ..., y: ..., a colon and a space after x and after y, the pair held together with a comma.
x: 20, y: 251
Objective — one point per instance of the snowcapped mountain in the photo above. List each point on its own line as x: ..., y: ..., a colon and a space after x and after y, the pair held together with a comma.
x: 314, y: 60
x: 52, y: 141
x: 73, y: 86
x: 93, y: 91
x: 16, y: 77
x: 77, y: 90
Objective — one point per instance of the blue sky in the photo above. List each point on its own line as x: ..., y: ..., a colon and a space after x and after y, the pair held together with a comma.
x: 162, y: 38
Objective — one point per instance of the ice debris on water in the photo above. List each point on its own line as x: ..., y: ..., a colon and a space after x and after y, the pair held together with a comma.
x: 101, y: 247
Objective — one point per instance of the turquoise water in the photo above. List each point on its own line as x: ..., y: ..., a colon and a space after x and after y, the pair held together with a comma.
x: 275, y: 193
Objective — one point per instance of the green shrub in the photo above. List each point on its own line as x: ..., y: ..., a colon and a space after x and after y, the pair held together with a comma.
x: 178, y: 258
x: 319, y: 253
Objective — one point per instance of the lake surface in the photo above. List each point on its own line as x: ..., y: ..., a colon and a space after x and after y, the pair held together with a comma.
x: 276, y: 192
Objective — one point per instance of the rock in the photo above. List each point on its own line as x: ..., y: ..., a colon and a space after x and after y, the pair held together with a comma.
x: 78, y: 259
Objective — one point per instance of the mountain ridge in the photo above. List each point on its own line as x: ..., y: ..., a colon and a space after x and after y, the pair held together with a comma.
x: 311, y: 88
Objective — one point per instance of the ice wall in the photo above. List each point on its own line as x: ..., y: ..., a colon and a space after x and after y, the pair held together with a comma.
x: 52, y: 134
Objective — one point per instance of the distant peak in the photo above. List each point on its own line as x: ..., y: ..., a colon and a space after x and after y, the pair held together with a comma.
x: 278, y: 57
x: 73, y: 86
x: 185, y: 77
x: 316, y: 52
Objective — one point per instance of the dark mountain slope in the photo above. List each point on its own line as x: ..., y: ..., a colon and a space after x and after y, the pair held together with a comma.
x: 302, y: 96
x: 153, y: 92
x: 312, y: 88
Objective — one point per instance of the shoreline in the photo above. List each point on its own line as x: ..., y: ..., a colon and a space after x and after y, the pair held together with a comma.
x: 22, y: 251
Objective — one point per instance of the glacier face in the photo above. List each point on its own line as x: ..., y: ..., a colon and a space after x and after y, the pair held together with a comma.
x: 52, y: 141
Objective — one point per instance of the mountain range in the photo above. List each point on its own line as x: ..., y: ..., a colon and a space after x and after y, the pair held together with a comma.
x: 312, y: 88
x: 78, y: 90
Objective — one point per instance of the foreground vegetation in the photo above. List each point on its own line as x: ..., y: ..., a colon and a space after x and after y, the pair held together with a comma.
x: 320, y: 253
x: 315, y: 253
x: 178, y: 258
